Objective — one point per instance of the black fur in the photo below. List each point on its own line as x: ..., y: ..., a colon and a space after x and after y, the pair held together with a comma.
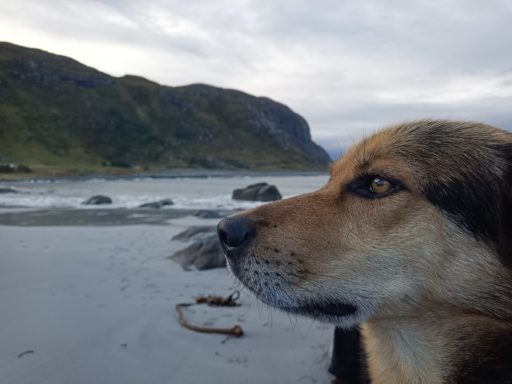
x: 491, y: 362
x: 348, y: 361
x: 482, y: 205
x: 471, y: 204
x: 505, y: 237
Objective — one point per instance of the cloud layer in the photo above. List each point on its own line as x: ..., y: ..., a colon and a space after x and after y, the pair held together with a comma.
x: 348, y: 67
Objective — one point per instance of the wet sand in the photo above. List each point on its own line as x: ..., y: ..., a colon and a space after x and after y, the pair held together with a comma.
x: 86, y: 300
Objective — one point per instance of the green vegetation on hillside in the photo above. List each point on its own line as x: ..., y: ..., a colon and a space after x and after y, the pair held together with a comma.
x: 58, y: 113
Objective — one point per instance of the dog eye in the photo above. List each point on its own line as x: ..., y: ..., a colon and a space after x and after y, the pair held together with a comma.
x: 380, y: 185
x: 373, y: 186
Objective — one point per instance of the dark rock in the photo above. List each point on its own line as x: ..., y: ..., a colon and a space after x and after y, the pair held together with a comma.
x: 8, y: 190
x: 98, y: 200
x: 257, y: 185
x: 157, y: 204
x: 204, y: 253
x: 12, y: 168
x: 7, y: 168
x: 269, y: 193
x: 207, y: 214
x: 257, y: 192
x: 196, y: 233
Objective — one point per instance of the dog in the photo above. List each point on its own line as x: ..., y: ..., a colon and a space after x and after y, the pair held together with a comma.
x: 410, y: 239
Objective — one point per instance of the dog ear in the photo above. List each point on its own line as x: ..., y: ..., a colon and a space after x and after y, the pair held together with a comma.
x: 505, y: 230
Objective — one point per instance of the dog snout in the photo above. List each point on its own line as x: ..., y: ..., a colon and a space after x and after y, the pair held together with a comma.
x: 235, y: 232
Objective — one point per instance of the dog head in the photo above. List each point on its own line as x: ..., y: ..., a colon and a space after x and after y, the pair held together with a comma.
x: 416, y: 217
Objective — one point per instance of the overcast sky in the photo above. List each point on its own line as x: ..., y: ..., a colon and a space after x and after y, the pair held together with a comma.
x: 348, y: 67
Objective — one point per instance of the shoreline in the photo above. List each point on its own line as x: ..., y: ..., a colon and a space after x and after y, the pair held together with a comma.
x: 100, y: 217
x: 171, y: 174
x: 187, y: 190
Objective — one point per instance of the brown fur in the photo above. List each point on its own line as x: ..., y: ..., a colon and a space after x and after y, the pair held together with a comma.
x: 424, y: 270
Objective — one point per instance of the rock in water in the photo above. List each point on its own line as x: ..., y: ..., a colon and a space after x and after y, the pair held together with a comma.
x: 205, y: 251
x: 207, y: 214
x: 157, y: 204
x: 7, y: 190
x: 257, y: 192
x: 98, y: 200
x: 268, y: 193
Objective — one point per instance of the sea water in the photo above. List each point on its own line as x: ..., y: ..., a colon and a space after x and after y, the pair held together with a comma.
x: 186, y: 192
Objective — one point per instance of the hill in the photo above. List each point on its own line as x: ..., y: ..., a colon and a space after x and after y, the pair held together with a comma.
x: 57, y: 112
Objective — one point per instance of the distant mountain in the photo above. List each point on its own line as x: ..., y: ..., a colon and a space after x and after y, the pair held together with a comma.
x: 55, y: 111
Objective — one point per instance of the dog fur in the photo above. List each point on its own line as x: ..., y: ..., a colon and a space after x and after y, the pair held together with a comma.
x: 425, y: 270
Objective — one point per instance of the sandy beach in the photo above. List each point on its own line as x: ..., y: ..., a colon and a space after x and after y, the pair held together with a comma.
x: 95, y: 304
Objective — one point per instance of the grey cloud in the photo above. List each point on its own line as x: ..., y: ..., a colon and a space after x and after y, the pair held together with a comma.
x: 347, y: 66
x: 365, y: 119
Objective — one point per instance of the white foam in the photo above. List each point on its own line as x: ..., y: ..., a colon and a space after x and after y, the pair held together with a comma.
x: 49, y: 200
x: 186, y: 193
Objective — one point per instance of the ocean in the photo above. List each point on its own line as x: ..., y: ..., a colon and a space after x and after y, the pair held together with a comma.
x: 208, y: 192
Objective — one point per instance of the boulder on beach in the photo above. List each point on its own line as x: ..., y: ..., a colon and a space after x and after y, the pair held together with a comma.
x: 201, y: 255
x: 196, y: 233
x: 157, y: 204
x: 98, y: 200
x: 7, y: 190
x: 207, y: 214
x: 12, y: 168
x: 205, y: 251
x: 257, y: 192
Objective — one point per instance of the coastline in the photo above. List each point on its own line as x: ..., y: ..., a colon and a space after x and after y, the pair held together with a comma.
x: 99, y: 217
x: 134, y: 174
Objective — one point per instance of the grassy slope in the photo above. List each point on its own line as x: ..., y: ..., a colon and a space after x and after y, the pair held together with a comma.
x: 58, y: 113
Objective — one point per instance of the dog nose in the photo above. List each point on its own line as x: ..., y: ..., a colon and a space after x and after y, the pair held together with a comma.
x: 234, y: 232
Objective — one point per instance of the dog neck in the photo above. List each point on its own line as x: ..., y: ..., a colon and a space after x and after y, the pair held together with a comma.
x: 457, y: 328
x: 402, y: 352
x: 436, y: 349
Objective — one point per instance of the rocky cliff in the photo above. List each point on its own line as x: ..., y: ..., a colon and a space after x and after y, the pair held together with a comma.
x: 55, y: 111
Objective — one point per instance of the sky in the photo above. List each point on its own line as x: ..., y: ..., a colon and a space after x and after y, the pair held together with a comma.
x: 348, y: 67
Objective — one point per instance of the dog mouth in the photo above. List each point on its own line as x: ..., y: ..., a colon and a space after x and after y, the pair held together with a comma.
x: 322, y: 310
x: 275, y: 286
x: 281, y: 295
